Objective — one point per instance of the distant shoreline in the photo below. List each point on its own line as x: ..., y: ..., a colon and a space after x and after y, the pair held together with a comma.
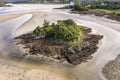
x: 111, y: 16
x: 99, y: 14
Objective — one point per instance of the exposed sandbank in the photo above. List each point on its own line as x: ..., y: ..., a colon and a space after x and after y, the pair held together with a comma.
x: 8, y: 72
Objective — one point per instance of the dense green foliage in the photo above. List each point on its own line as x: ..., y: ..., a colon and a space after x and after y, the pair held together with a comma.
x: 83, y: 6
x: 105, y: 7
x: 2, y: 4
x: 64, y: 30
x: 79, y: 7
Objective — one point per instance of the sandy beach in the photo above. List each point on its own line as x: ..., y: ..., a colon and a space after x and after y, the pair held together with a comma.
x: 8, y: 72
x: 28, y: 21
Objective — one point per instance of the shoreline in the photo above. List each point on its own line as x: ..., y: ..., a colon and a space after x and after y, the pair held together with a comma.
x: 112, y: 26
x: 30, y: 50
x: 98, y: 14
x: 111, y: 70
x: 111, y: 16
x: 8, y: 72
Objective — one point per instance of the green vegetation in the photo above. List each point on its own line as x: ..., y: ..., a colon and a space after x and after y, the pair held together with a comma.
x: 2, y: 4
x: 114, y: 12
x: 105, y: 7
x: 64, y: 31
x: 79, y: 7
x: 99, y: 5
x: 104, y: 10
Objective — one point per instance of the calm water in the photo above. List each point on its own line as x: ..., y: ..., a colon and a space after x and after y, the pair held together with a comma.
x: 86, y: 71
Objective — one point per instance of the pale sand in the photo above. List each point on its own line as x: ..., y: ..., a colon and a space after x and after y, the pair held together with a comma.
x: 37, y: 6
x: 8, y: 72
x: 4, y: 18
x: 13, y: 24
x: 37, y: 20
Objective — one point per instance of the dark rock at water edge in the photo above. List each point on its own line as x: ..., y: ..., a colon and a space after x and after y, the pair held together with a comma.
x: 61, y: 51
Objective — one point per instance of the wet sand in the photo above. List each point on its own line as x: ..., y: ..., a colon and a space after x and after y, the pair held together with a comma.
x: 8, y: 72
x: 4, y: 18
x: 112, y: 69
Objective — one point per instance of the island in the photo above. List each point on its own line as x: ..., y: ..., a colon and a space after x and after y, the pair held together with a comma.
x: 60, y: 42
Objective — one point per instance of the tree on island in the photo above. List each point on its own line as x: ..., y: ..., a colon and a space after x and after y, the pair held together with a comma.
x: 64, y: 31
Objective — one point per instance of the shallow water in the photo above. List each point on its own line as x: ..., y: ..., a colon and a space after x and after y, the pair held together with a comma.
x: 86, y: 71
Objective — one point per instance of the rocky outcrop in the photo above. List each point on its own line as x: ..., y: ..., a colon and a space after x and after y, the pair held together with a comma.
x: 77, y: 55
x: 61, y: 51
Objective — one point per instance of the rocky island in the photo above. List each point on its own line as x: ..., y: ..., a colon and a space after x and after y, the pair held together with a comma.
x: 64, y: 41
